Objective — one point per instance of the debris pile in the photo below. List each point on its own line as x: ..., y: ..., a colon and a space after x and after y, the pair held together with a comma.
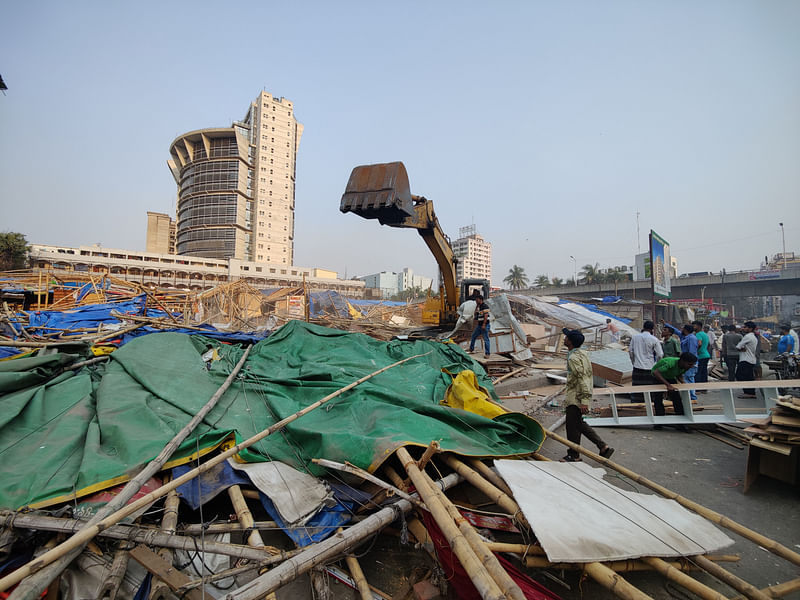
x: 188, y: 465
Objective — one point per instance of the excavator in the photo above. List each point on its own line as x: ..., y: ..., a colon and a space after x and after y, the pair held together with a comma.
x: 382, y: 192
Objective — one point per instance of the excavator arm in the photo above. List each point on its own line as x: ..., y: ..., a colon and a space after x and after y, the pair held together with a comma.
x: 382, y: 192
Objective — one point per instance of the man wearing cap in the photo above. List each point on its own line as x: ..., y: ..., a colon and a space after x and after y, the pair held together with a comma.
x: 645, y: 350
x: 669, y: 371
x: 579, y: 395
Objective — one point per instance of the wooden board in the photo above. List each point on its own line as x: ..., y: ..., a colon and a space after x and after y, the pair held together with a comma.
x: 164, y: 571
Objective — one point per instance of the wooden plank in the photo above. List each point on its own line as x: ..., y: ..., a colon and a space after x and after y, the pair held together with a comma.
x: 779, y: 419
x: 163, y: 570
x: 784, y: 449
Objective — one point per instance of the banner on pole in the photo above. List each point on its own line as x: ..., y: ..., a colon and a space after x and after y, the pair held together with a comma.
x: 660, y: 265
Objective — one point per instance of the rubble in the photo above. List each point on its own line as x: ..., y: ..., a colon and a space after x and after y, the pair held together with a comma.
x: 231, y: 441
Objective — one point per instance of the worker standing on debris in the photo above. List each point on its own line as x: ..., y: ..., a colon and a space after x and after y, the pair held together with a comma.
x: 670, y: 344
x: 729, y: 352
x: 703, y: 355
x: 669, y: 371
x: 645, y: 351
x: 481, y: 325
x: 579, y: 395
x: 612, y: 330
x: 745, y: 370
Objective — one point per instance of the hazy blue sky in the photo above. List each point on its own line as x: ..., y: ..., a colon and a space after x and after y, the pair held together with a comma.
x: 546, y: 124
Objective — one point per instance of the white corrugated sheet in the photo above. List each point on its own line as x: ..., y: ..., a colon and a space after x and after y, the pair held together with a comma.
x: 577, y: 516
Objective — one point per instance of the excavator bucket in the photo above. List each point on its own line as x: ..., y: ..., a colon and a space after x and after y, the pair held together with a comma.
x: 379, y: 192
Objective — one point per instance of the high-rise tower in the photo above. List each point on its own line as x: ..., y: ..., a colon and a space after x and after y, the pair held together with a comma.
x: 236, y: 185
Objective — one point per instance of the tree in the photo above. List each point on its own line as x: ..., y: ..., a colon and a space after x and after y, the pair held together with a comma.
x: 615, y: 277
x: 591, y: 274
x: 542, y: 281
x: 408, y: 294
x: 516, y: 279
x: 13, y: 251
x: 570, y: 281
x: 557, y: 281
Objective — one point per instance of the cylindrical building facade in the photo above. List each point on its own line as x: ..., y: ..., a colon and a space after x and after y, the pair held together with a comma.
x: 213, y: 212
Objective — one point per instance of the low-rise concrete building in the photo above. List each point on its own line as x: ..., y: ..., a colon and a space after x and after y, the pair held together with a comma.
x: 185, y: 272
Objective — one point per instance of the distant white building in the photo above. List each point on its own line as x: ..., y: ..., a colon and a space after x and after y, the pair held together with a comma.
x: 474, y: 255
x: 390, y: 283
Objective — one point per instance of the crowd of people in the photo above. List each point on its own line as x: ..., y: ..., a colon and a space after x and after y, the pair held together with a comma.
x: 680, y: 356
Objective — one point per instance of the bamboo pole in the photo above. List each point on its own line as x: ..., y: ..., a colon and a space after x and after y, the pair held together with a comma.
x: 357, y: 574
x: 254, y: 539
x: 169, y: 522
x: 33, y: 587
x: 619, y: 566
x: 713, y: 516
x: 507, y: 375
x: 780, y: 590
x: 119, y: 565
x: 348, y: 468
x: 433, y: 448
x: 477, y: 570
x: 219, y: 575
x: 490, y: 475
x: 395, y: 478
x: 613, y: 582
x: 728, y: 578
x: 142, y: 535
x: 499, y: 574
x: 92, y: 529
x: 245, y: 517
x: 494, y: 494
x: 326, y: 550
x: 682, y: 579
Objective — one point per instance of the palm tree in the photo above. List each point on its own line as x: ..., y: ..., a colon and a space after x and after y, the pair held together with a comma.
x: 615, y: 277
x: 516, y: 278
x: 542, y: 280
x: 570, y: 281
x: 557, y: 281
x: 591, y: 274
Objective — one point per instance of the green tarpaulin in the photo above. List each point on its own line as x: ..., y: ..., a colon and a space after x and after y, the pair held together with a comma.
x: 76, y: 432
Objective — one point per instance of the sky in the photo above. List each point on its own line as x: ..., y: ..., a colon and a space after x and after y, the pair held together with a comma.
x: 557, y: 128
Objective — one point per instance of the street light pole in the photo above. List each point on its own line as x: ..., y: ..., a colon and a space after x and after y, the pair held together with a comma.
x: 783, y: 239
x: 574, y: 271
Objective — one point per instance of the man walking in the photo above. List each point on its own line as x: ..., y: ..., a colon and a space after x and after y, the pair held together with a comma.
x: 579, y: 395
x: 745, y: 370
x: 703, y: 355
x: 645, y: 351
x: 481, y: 325
x: 729, y: 352
x: 689, y: 344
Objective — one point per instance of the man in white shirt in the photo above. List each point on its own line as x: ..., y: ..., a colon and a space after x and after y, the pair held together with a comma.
x: 793, y: 333
x: 745, y: 369
x: 645, y: 351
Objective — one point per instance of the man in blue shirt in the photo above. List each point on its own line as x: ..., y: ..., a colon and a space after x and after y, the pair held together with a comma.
x: 786, y: 343
x: 689, y: 344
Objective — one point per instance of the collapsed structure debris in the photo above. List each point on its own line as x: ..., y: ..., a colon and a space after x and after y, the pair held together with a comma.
x: 219, y: 444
